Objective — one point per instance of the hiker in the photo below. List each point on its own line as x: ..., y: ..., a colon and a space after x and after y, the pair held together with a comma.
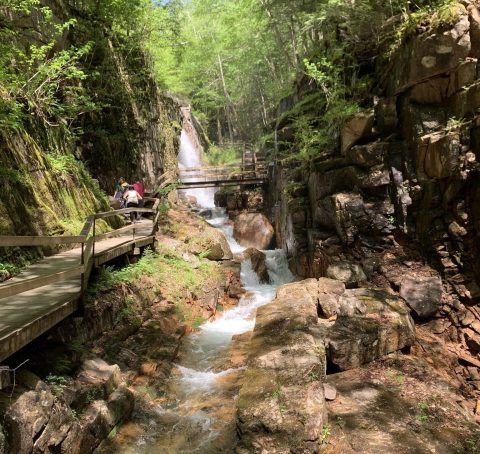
x: 132, y: 199
x: 140, y: 188
x: 118, y: 194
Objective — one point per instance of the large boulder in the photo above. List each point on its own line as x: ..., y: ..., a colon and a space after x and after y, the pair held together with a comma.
x: 217, y: 246
x: 259, y: 265
x: 368, y: 155
x: 351, y: 274
x: 98, y: 420
x: 281, y: 407
x: 438, y: 155
x: 253, y: 230
x: 26, y: 418
x: 358, y: 127
x: 370, y: 324
x: 422, y: 293
x: 207, y: 240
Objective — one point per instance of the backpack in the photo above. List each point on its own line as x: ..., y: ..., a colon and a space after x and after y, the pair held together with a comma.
x: 132, y: 196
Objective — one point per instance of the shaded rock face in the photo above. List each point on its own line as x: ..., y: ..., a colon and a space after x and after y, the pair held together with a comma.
x: 399, y: 405
x: 253, y: 230
x: 351, y: 274
x: 39, y: 421
x: 422, y: 294
x: 259, y: 265
x: 240, y: 200
x: 370, y: 324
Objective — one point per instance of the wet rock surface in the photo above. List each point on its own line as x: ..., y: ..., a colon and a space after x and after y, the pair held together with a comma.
x: 423, y: 294
x: 258, y: 260
x: 253, y: 230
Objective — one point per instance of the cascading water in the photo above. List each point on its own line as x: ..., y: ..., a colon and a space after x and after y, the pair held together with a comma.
x: 198, y: 415
x: 190, y: 156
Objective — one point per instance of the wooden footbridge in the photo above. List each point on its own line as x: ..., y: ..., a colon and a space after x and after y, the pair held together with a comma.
x: 52, y: 289
x: 251, y: 171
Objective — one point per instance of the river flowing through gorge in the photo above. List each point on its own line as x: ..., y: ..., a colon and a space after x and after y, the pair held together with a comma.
x: 198, y: 413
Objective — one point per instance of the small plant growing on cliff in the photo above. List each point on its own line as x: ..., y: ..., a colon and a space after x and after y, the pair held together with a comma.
x: 277, y: 392
x: 325, y: 434
x: 423, y: 415
x: 197, y: 322
x: 57, y: 383
x: 313, y: 376
x: 93, y: 394
x: 454, y: 124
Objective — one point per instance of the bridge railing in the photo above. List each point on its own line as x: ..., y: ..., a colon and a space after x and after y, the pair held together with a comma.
x: 244, y: 172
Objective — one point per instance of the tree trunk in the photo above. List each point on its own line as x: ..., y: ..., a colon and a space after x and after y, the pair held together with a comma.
x: 278, y: 36
x: 227, y: 97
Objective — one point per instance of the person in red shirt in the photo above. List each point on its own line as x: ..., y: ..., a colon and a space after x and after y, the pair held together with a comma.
x: 140, y: 188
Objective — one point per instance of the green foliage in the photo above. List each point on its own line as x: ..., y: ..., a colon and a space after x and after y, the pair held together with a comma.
x: 197, y: 322
x: 57, y: 383
x: 277, y: 392
x: 163, y: 192
x: 433, y: 14
x: 423, y: 414
x: 223, y: 155
x: 36, y: 78
x: 62, y: 164
x: 454, y: 124
x: 325, y: 434
x: 9, y: 268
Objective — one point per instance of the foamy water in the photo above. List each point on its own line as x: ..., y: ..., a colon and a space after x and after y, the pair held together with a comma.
x: 189, y: 156
x: 193, y: 417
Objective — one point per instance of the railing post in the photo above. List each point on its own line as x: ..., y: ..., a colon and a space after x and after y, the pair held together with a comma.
x: 94, y: 233
x: 82, y: 262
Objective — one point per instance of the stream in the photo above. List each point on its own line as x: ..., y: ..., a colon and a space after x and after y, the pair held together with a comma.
x: 198, y: 414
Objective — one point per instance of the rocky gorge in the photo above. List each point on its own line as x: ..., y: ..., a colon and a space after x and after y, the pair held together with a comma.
x: 333, y: 309
x: 396, y: 205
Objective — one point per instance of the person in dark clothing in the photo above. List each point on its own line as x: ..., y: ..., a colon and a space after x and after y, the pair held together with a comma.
x: 118, y: 194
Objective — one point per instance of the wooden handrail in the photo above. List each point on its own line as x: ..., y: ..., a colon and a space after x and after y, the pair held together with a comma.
x: 14, y: 241
x: 14, y: 288
x: 258, y: 163
x: 8, y: 289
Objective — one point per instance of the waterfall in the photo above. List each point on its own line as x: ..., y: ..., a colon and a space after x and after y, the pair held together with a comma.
x: 191, y: 156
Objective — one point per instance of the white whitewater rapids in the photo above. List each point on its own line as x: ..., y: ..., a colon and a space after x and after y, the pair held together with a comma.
x: 193, y: 421
x: 189, y: 156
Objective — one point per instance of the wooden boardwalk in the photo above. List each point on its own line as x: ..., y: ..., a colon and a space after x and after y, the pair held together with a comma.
x: 50, y: 290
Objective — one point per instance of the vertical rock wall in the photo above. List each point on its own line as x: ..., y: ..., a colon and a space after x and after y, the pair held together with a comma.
x: 397, y: 203
x: 53, y: 174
